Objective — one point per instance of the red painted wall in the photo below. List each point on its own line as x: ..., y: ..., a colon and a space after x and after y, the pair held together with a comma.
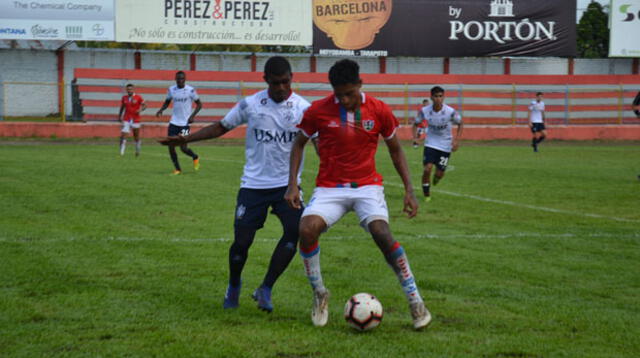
x: 112, y: 130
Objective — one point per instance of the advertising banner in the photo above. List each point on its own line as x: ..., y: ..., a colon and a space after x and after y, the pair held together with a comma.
x: 444, y: 28
x: 264, y: 22
x: 57, y: 20
x: 624, y: 21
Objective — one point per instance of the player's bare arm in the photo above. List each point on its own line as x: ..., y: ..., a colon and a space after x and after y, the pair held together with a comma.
x: 164, y: 106
x: 195, y: 111
x: 211, y: 131
x: 121, y: 111
x: 414, y: 132
x: 292, y: 196
x: 455, y: 143
x: 143, y: 107
x: 400, y: 163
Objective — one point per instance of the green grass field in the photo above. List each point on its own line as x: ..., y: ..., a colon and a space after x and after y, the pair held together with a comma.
x: 518, y: 255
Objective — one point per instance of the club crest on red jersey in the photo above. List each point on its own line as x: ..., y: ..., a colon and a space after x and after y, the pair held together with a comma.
x: 368, y: 124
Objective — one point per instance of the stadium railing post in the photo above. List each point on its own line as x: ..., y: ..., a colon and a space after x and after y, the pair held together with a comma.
x: 513, y: 104
x: 2, y: 103
x: 620, y: 102
x: 566, y: 104
x: 62, y: 100
x: 406, y: 103
x: 460, y: 99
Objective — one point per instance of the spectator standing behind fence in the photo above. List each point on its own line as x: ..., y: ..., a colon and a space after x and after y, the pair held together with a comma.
x: 536, y: 121
x: 131, y: 105
x: 183, y: 96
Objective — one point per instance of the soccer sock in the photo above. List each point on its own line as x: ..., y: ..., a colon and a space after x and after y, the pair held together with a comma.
x: 399, y: 262
x: 425, y: 189
x: 238, y: 253
x: 541, y: 139
x: 534, y: 141
x: 174, y: 157
x: 311, y: 261
x: 285, y: 251
x: 123, y: 144
x: 189, y: 152
x: 138, y: 145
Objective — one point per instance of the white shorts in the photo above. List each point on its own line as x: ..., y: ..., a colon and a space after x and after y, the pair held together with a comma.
x: 332, y: 203
x: 127, y: 125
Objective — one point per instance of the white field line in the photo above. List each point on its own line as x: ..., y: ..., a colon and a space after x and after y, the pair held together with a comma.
x: 330, y: 237
x: 475, y: 197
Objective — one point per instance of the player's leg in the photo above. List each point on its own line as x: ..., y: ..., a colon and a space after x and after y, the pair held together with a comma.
x: 534, y: 137
x: 426, y: 180
x: 174, y: 160
x: 136, y: 136
x: 174, y: 131
x: 326, y: 207
x: 123, y: 136
x: 310, y: 229
x: 285, y: 249
x: 371, y: 208
x: 250, y: 214
x: 441, y: 167
x: 542, y: 135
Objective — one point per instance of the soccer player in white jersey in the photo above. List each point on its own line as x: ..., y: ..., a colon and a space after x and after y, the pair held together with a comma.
x: 439, y: 142
x: 536, y: 121
x: 183, y: 97
x: 271, y: 117
x: 419, y: 124
x: 349, y: 125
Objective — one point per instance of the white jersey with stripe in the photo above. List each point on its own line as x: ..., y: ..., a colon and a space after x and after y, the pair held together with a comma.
x: 271, y: 131
x: 183, y: 99
x: 439, y: 126
x: 536, y: 109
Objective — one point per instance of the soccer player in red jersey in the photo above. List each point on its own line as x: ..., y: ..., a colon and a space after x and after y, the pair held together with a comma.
x: 131, y: 105
x: 348, y: 124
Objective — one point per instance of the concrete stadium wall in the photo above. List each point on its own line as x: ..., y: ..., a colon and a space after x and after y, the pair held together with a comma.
x: 519, y: 132
x: 29, y: 77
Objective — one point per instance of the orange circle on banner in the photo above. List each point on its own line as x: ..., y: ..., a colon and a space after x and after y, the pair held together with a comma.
x: 351, y: 24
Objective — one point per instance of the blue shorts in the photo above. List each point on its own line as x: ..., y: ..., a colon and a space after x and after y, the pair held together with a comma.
x: 437, y: 157
x: 537, y: 127
x: 252, y: 207
x: 177, y: 130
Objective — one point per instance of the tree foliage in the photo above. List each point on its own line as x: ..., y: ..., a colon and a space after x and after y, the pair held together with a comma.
x: 593, y: 32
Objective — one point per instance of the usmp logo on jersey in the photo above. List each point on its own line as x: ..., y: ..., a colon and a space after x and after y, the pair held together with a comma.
x: 368, y: 124
x: 289, y: 104
x: 263, y: 101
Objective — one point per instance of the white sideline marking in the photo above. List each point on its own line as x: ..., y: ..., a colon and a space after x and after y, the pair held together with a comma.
x: 475, y: 197
x: 330, y: 237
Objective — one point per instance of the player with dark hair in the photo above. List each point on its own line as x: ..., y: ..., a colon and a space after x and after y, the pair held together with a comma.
x: 183, y: 97
x: 271, y: 117
x: 348, y: 124
x: 439, y: 142
x: 131, y: 105
x: 419, y: 124
x: 536, y: 121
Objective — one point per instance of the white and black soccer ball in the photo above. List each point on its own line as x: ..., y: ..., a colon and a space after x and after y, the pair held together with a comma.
x: 363, y: 311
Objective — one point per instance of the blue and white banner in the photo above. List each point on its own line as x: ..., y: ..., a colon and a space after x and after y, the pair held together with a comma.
x: 80, y: 20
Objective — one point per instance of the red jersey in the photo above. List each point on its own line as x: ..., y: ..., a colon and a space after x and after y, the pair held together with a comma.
x: 132, y: 107
x: 347, y: 141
